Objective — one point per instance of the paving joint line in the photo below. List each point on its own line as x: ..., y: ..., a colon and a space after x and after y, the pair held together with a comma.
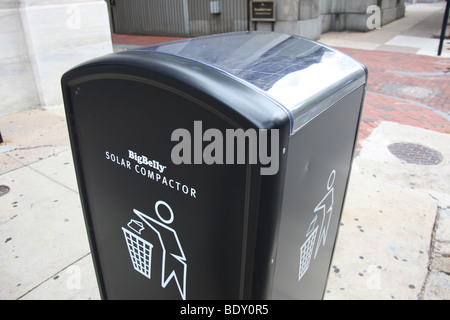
x: 52, y: 276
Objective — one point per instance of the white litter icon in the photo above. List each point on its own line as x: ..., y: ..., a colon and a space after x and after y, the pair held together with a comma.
x: 325, y: 210
x: 174, y: 264
x: 140, y: 250
x: 307, y: 249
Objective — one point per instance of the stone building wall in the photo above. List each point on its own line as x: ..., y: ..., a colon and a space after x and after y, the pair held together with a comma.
x: 40, y: 40
x: 311, y: 18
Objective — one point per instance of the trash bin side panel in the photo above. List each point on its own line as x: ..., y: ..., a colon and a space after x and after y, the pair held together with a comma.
x: 193, y: 216
x: 319, y: 162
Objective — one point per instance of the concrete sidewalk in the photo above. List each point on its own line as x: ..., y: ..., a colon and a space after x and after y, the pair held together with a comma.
x: 418, y: 32
x: 394, y: 240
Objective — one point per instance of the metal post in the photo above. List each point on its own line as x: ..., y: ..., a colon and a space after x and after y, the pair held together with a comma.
x: 187, y: 32
x: 444, y: 26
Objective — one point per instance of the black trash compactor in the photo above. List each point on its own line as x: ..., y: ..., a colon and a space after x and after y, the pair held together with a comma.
x: 214, y: 167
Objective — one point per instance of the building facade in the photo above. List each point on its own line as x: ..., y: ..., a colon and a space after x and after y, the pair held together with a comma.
x: 308, y: 18
x: 40, y: 40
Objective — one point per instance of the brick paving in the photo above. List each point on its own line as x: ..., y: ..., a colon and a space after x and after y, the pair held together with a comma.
x: 404, y: 88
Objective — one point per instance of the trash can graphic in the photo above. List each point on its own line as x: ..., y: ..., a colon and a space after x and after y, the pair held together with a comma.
x: 140, y: 250
x: 214, y: 167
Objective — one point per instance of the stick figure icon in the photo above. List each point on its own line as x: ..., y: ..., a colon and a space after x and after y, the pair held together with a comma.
x: 174, y: 265
x: 324, y: 209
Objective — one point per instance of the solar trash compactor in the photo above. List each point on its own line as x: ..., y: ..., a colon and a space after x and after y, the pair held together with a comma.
x: 214, y: 167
